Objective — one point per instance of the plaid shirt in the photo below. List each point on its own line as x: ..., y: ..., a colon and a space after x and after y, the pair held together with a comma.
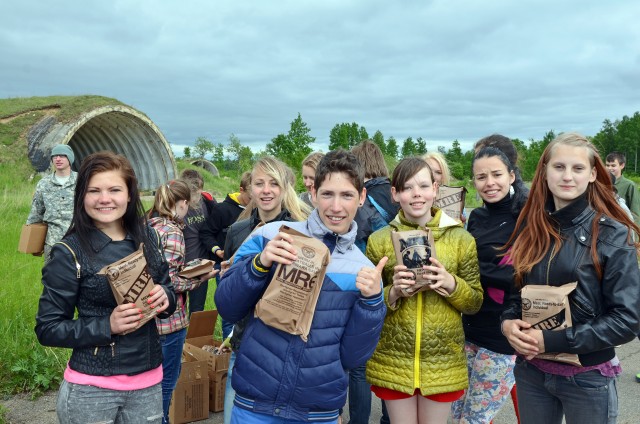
x: 173, y: 245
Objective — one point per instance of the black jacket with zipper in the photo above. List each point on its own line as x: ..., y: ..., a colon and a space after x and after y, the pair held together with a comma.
x: 71, y: 282
x: 604, y: 311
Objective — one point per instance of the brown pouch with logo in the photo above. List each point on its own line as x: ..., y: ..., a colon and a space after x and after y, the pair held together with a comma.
x: 413, y: 249
x: 131, y: 282
x: 451, y: 200
x: 290, y: 300
x: 547, y: 308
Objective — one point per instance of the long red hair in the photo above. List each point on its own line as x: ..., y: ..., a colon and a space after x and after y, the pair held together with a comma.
x: 535, y: 230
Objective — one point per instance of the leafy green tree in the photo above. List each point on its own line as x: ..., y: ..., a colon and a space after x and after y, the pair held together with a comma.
x: 421, y: 146
x: 454, y: 154
x: 378, y: 138
x: 392, y: 148
x: 187, y: 152
x: 218, y: 154
x: 346, y: 135
x: 339, y: 137
x: 408, y: 147
x: 202, y: 147
x: 242, y: 154
x: 293, y: 147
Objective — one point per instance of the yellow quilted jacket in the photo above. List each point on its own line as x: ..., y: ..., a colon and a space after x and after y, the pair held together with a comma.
x: 422, y: 340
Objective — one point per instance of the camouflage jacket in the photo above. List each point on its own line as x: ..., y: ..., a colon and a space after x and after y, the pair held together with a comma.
x: 53, y: 204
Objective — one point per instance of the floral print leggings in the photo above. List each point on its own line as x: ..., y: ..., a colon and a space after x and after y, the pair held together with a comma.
x: 490, y: 382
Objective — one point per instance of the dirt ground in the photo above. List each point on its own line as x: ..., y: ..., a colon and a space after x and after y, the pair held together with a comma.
x: 21, y: 409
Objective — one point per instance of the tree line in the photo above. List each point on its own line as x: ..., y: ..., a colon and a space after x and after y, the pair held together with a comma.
x: 622, y: 135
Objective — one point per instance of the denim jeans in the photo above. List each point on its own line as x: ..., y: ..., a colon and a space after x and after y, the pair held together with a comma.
x: 171, y: 365
x: 587, y: 397
x: 78, y: 403
x: 359, y: 396
x: 197, y: 298
x: 229, y: 393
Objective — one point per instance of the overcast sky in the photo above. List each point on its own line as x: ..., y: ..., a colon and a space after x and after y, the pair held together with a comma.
x: 441, y: 70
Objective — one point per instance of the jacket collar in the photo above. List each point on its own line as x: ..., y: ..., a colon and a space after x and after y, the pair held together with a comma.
x: 284, y: 215
x: 439, y: 220
x: 342, y: 242
x: 571, y: 214
x: 99, y: 240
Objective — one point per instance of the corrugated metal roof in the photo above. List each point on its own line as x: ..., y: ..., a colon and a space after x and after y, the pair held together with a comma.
x: 120, y: 129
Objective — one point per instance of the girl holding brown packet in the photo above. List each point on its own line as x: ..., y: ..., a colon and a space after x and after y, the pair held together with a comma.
x: 419, y: 367
x: 572, y: 229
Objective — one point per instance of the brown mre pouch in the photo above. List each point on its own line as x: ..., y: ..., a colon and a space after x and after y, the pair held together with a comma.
x: 131, y: 282
x: 451, y: 200
x: 290, y: 300
x: 413, y: 249
x: 547, y: 308
x: 196, y: 268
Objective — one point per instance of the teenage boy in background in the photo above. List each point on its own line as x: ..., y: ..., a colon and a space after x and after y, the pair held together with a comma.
x: 277, y: 376
x: 626, y: 189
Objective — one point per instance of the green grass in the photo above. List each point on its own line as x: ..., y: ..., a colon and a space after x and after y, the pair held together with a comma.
x: 18, y: 114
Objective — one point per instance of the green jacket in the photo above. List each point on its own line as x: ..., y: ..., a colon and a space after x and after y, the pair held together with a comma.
x: 422, y: 340
x: 628, y: 191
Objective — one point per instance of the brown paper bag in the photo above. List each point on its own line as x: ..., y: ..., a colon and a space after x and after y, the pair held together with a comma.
x: 196, y: 268
x: 451, y: 200
x: 547, y: 308
x: 290, y: 300
x: 413, y: 249
x: 131, y: 282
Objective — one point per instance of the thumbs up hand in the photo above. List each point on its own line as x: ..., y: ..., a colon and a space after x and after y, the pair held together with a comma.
x: 368, y: 279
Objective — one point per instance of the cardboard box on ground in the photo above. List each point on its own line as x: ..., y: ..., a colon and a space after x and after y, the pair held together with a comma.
x: 190, y: 401
x: 199, y: 334
x: 32, y: 238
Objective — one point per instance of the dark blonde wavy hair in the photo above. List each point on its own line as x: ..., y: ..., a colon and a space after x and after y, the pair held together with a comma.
x: 167, y: 196
x: 535, y: 231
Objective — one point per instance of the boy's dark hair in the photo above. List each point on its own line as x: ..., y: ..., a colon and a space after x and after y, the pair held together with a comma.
x: 245, y: 180
x: 340, y: 160
x: 619, y: 156
x: 193, y: 177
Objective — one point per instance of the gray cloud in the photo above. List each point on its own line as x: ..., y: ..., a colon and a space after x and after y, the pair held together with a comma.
x: 441, y: 70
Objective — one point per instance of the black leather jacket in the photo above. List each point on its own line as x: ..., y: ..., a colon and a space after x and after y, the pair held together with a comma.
x: 604, y: 312
x: 95, y: 350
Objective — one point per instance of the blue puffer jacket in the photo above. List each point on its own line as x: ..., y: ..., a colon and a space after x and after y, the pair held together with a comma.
x: 278, y: 374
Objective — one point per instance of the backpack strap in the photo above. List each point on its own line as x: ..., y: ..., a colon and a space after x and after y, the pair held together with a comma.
x: 380, y: 209
x: 75, y: 258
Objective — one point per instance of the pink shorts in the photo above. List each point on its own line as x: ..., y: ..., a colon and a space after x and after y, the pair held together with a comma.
x: 388, y: 394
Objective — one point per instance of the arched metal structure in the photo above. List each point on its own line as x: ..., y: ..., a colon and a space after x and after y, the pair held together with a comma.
x: 207, y: 166
x: 120, y: 129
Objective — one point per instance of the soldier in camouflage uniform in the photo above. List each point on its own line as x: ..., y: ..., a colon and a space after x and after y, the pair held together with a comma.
x: 53, y: 200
